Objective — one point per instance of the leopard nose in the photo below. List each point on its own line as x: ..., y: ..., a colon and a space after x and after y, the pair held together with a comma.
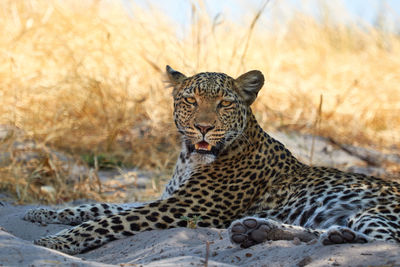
x: 204, y: 128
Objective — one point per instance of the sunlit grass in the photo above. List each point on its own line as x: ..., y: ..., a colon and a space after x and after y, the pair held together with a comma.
x: 86, y: 77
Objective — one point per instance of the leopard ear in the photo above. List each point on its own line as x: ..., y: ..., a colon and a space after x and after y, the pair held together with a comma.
x: 175, y: 77
x: 249, y: 84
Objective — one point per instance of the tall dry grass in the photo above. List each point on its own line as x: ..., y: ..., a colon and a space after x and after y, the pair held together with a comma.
x: 87, y: 77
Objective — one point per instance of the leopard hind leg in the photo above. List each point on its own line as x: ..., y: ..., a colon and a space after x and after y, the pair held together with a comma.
x: 380, y: 222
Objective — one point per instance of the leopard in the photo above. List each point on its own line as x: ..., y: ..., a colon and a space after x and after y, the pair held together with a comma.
x: 233, y: 175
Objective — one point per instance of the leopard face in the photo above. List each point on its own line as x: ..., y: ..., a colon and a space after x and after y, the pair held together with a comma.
x: 211, y: 110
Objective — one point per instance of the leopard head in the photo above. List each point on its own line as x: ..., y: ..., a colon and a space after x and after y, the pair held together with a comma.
x: 211, y: 109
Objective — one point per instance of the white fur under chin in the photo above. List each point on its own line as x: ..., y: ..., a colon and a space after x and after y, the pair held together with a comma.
x: 202, y: 159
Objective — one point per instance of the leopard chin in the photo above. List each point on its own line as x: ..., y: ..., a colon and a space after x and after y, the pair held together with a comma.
x: 202, y: 158
x: 202, y: 152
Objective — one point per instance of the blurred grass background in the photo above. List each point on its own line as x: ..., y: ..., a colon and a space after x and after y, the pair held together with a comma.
x: 87, y: 78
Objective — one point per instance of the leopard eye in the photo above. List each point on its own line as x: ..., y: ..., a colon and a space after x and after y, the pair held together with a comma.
x: 190, y: 100
x: 225, y: 103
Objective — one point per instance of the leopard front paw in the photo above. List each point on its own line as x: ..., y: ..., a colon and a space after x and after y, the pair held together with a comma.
x: 41, y: 215
x: 59, y: 243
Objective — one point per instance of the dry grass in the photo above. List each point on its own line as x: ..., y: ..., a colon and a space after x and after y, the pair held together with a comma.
x: 85, y: 77
x: 33, y: 172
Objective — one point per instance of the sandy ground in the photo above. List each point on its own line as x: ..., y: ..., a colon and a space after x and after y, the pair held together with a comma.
x: 180, y: 247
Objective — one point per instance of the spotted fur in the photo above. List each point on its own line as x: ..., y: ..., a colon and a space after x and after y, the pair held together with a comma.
x: 229, y: 169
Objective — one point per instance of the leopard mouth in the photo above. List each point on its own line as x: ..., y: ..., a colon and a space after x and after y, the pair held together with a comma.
x: 203, y: 147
